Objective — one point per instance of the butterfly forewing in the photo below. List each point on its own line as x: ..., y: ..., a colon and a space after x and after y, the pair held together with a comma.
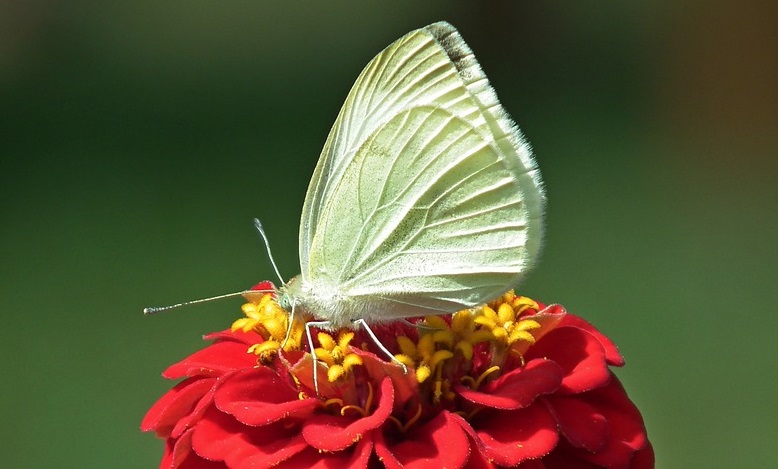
x: 415, y: 70
x: 426, y: 197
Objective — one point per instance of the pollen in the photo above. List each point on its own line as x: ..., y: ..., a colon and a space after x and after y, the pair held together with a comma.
x: 268, y: 319
x: 266, y: 351
x: 424, y: 356
x: 337, y: 354
x: 503, y: 319
x: 468, y: 333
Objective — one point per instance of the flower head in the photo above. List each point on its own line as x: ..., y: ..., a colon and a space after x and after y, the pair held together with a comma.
x: 512, y: 383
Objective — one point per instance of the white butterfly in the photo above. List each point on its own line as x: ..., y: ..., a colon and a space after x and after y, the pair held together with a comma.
x: 425, y: 200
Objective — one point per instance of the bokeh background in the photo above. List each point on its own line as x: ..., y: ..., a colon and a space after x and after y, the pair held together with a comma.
x: 139, y: 139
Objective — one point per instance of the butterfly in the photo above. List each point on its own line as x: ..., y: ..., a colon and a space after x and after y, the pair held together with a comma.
x: 426, y: 198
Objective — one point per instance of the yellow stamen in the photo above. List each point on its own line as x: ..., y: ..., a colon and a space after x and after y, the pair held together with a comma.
x: 404, y: 428
x: 407, y: 347
x: 326, y: 341
x: 422, y: 373
x: 337, y: 354
x: 325, y: 356
x: 440, y: 356
x: 396, y: 422
x: 405, y: 359
x: 435, y: 322
x: 504, y: 323
x: 333, y: 402
x: 360, y: 410
x: 484, y: 375
x: 270, y: 321
x: 461, y: 321
x: 351, y: 360
x: 355, y: 408
x: 424, y: 356
x: 335, y: 372
x: 466, y: 348
x: 438, y: 393
x: 344, y: 338
x: 469, y: 416
x: 415, y: 418
x: 469, y: 380
x: 264, y: 347
x: 522, y: 303
x: 505, y: 313
x: 444, y: 337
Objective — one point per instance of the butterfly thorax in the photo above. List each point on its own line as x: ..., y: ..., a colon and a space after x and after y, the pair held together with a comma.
x: 322, y: 302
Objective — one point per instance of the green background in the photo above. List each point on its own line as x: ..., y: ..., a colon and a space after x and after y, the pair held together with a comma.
x: 139, y: 139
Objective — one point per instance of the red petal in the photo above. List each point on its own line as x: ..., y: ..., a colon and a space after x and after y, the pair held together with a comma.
x: 478, y: 461
x: 335, y: 433
x: 190, y: 420
x: 405, y: 384
x: 580, y: 355
x: 168, y: 455
x: 259, y: 290
x: 358, y: 456
x: 644, y: 458
x: 581, y: 423
x: 214, y: 360
x: 247, y: 338
x: 441, y: 442
x: 260, y: 397
x: 548, y: 318
x: 538, y: 464
x: 264, y: 285
x: 179, y: 455
x: 612, y: 354
x: 303, y: 370
x: 195, y: 462
x: 220, y: 437
x: 511, y: 437
x: 177, y: 451
x: 625, y: 424
x: 565, y: 457
x: 517, y: 389
x: 174, y: 405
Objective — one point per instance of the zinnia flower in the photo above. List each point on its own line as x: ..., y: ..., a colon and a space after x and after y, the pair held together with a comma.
x: 511, y: 384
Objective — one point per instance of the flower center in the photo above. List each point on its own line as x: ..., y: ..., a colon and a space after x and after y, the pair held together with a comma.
x: 471, y: 347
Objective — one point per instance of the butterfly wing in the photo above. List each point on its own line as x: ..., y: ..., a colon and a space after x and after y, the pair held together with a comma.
x: 432, y: 65
x: 425, y: 196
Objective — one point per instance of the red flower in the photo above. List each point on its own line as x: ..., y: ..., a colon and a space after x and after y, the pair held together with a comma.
x: 512, y: 384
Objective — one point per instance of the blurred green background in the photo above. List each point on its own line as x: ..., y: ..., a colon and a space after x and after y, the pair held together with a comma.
x: 139, y: 139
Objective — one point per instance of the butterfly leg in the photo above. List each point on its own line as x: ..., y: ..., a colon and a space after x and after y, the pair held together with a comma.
x: 363, y: 323
x: 308, y: 325
x: 418, y: 325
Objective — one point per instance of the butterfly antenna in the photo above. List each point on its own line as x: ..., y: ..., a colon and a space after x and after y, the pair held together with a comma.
x: 159, y: 309
x: 258, y: 226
